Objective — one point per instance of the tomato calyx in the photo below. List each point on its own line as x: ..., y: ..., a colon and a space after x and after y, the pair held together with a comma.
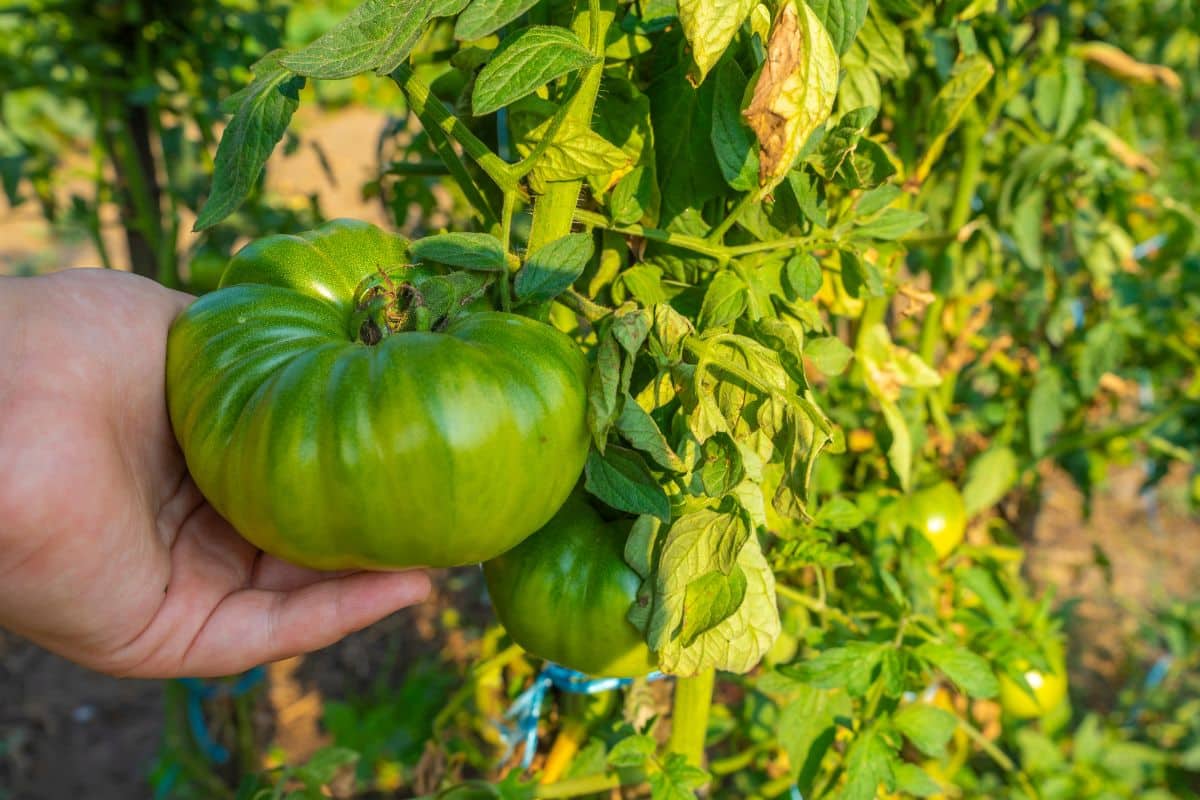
x: 408, y: 298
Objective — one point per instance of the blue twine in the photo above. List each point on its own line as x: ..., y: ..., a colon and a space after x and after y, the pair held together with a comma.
x: 198, y: 692
x: 526, y: 710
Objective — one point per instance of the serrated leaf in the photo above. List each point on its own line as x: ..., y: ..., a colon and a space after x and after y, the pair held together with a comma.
x: 552, y: 268
x: 794, y: 92
x: 710, y: 26
x: 259, y: 122
x: 911, y: 779
x: 802, y: 276
x: 928, y: 727
x: 807, y: 729
x: 877, y: 199
x: 376, y: 36
x: 488, y: 16
x: 891, y: 224
x: 724, y: 301
x: 526, y: 61
x: 621, y: 479
x: 632, y: 751
x: 475, y: 251
x: 861, y: 278
x: 970, y: 672
x: 722, y: 467
x: 678, y: 780
x: 732, y: 140
x: 850, y: 667
x: 870, y: 763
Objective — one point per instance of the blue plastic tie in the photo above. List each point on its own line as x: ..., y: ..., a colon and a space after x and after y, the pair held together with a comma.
x: 200, y: 691
x: 526, y: 710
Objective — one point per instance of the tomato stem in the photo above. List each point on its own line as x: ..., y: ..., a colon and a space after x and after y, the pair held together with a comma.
x: 554, y: 211
x: 689, y: 719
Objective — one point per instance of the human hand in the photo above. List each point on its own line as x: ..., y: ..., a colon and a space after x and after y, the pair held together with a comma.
x: 109, y: 556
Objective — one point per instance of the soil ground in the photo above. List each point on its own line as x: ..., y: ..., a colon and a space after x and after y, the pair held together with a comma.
x: 66, y: 732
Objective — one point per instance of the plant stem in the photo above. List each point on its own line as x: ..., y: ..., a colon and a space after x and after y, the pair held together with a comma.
x: 689, y: 720
x: 718, y: 233
x: 428, y: 107
x: 585, y: 307
x: 506, y: 215
x: 554, y: 211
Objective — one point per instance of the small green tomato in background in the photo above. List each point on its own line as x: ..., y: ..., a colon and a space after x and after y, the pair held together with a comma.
x: 1049, y: 691
x: 563, y: 594
x: 939, y: 514
x: 331, y: 433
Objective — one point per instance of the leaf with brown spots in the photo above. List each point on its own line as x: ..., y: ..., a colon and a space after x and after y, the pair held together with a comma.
x: 794, y: 91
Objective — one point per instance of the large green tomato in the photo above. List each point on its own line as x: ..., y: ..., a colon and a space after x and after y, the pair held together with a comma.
x: 563, y: 594
x: 1049, y: 690
x: 424, y: 449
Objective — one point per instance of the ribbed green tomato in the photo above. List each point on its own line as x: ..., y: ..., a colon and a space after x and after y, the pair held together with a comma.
x: 424, y: 449
x: 563, y: 594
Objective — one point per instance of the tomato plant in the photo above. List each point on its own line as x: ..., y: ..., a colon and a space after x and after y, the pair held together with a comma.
x: 844, y: 274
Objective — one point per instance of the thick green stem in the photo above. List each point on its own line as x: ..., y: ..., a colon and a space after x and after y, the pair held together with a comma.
x: 689, y: 716
x: 555, y: 210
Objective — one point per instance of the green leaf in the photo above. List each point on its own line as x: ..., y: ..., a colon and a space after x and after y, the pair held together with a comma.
x: 696, y: 544
x: 377, y: 35
x: 710, y: 26
x: 621, y: 479
x: 970, y: 672
x: 325, y: 764
x: 261, y: 118
x: 840, y: 143
x: 552, y: 268
x: 488, y: 16
x: 828, y: 354
x: 802, y: 276
x: 722, y: 469
x: 850, y: 667
x: 794, y: 93
x: 724, y: 301
x: 806, y: 730
x: 870, y: 764
x: 640, y: 430
x: 912, y: 780
x: 678, y: 780
x: 1046, y: 413
x: 839, y: 514
x: 477, y: 251
x: 989, y: 477
x: 632, y: 751
x: 967, y: 80
x: 861, y: 278
x: 876, y: 199
x: 688, y: 171
x: 576, y: 152
x: 893, y: 223
x: 732, y: 141
x: 525, y: 61
x: 880, y: 46
x: 842, y: 19
x: 928, y: 727
x: 710, y: 600
x: 603, y: 390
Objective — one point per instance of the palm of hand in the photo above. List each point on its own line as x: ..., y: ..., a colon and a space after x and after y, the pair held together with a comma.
x: 108, y: 553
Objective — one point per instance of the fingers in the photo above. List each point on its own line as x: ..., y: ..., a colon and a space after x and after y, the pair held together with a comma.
x: 254, y: 626
x: 276, y: 575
